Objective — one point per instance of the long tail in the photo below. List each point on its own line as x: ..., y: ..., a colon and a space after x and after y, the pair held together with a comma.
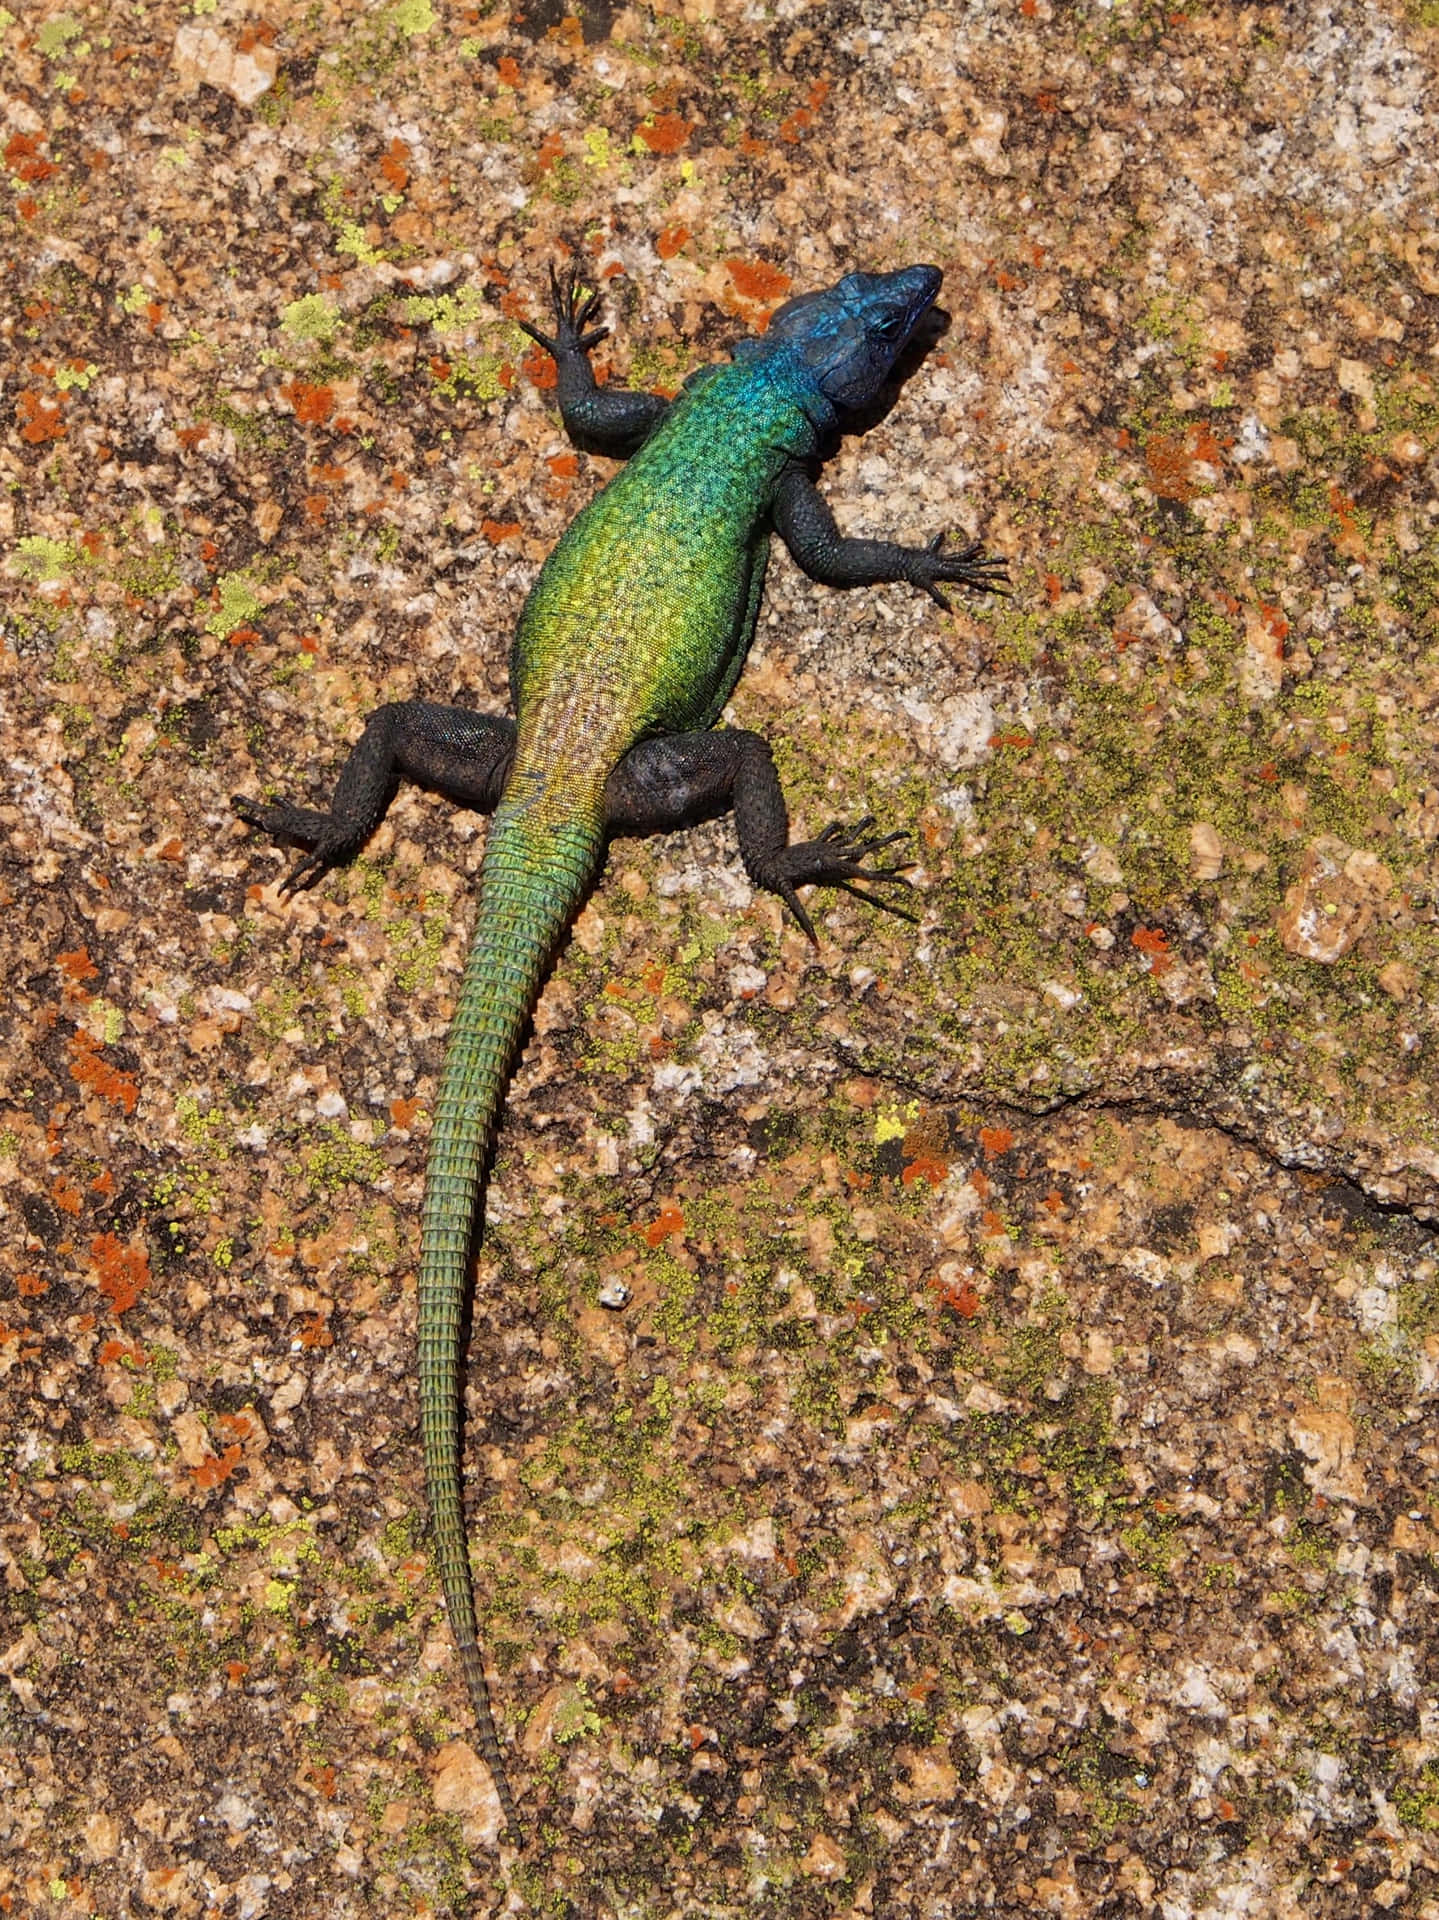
x: 534, y: 879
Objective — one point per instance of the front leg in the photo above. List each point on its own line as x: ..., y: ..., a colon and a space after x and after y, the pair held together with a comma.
x: 599, y: 419
x: 807, y: 527
x: 681, y: 778
x: 463, y: 755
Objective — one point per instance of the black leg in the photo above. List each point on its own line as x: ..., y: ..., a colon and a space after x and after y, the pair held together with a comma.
x: 463, y: 755
x: 684, y: 777
x: 608, y: 420
x: 807, y: 527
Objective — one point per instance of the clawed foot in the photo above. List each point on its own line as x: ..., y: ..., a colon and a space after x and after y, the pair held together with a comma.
x: 326, y: 844
x: 836, y: 859
x: 574, y: 309
x: 968, y: 567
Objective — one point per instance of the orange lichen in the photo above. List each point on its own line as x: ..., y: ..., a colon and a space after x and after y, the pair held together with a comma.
x: 539, y: 369
x: 39, y: 417
x: 122, y: 1272
x: 77, y: 965
x: 1180, y: 464
x: 1154, y: 942
x: 313, y: 404
x: 24, y: 159
x: 669, y: 240
x: 395, y: 165
x: 664, y: 133
x: 925, y: 1166
x: 757, y: 279
x: 90, y: 1070
x: 113, y: 1350
x: 66, y: 1195
x: 211, y: 1472
x: 995, y: 1140
x: 961, y: 1297
x: 670, y: 1220
x: 497, y: 530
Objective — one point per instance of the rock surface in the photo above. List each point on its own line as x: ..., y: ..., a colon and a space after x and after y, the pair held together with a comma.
x: 951, y: 1415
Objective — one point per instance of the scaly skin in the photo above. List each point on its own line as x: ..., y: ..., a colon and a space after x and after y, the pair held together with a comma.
x: 625, y: 654
x: 610, y: 647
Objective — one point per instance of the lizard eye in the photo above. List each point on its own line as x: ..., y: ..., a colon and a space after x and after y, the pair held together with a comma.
x: 889, y: 328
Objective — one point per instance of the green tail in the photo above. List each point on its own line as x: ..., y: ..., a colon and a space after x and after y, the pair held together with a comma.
x: 534, y: 879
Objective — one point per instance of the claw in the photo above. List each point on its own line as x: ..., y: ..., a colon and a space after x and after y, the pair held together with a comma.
x: 572, y: 315
x: 303, y: 875
x: 541, y: 339
x: 837, y: 857
x: 968, y: 566
x: 792, y: 901
x: 878, y: 900
x: 283, y: 821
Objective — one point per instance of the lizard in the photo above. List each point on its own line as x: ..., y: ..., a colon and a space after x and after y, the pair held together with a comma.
x: 626, y: 652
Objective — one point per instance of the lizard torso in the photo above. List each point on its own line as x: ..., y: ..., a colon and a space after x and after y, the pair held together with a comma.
x: 641, y: 617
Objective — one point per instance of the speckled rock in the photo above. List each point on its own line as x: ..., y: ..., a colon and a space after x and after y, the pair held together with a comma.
x: 950, y: 1414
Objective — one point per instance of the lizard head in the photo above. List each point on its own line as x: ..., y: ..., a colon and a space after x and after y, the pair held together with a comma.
x: 845, y: 341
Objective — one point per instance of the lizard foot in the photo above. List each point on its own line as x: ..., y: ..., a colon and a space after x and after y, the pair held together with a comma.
x: 327, y: 844
x: 574, y: 309
x: 836, y: 858
x: 967, y: 567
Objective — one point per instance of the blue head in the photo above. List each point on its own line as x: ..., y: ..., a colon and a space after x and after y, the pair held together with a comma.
x: 840, y: 346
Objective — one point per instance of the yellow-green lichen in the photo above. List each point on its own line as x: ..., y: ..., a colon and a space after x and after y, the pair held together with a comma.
x: 312, y: 317
x: 239, y: 604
